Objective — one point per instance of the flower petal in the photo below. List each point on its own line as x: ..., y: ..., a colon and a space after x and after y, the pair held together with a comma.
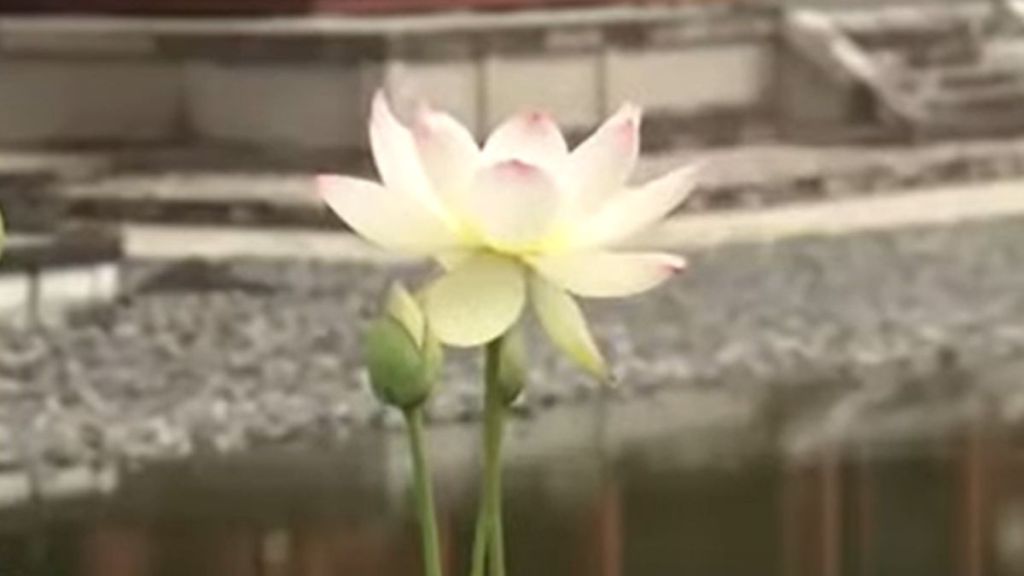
x: 632, y: 211
x: 476, y: 302
x: 512, y: 204
x: 452, y: 259
x: 600, y: 166
x: 385, y: 216
x: 608, y: 274
x: 394, y: 150
x: 401, y: 306
x: 448, y: 152
x: 533, y: 138
x: 565, y: 324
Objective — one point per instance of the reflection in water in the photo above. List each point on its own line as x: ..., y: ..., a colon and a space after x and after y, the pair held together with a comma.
x: 953, y: 506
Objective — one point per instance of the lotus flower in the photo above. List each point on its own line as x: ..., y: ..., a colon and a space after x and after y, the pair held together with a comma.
x: 520, y: 220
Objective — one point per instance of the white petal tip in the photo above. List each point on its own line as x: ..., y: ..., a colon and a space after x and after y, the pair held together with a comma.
x: 428, y: 124
x: 323, y: 183
x: 674, y: 265
x: 609, y: 274
x: 380, y: 108
x: 598, y: 369
x: 537, y: 120
x: 631, y: 113
x: 516, y: 169
x: 671, y: 266
x: 625, y: 125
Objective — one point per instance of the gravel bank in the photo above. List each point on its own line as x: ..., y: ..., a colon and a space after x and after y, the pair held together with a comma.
x: 227, y: 357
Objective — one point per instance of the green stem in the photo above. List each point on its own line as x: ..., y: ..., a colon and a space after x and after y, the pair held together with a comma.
x: 424, y: 493
x: 497, y: 541
x: 489, y: 543
x: 480, y: 541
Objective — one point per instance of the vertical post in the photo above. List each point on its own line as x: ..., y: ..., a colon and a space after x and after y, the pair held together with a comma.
x: 792, y: 519
x: 236, y: 552
x: 607, y: 520
x: 974, y: 511
x: 831, y: 519
x: 608, y: 527
x: 865, y: 505
x: 275, y: 556
x: 313, y: 551
x: 111, y: 550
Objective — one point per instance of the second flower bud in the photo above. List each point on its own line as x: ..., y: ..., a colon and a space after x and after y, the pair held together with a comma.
x: 403, y: 357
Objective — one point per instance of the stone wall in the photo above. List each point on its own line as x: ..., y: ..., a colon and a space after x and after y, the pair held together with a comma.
x: 71, y: 100
x: 115, y: 82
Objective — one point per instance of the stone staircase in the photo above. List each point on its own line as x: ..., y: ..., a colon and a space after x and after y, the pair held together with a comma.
x: 920, y: 73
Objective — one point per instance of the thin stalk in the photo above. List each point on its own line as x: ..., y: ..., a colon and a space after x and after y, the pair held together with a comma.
x: 489, y: 543
x: 494, y: 425
x: 424, y: 493
x: 497, y: 540
x: 480, y: 541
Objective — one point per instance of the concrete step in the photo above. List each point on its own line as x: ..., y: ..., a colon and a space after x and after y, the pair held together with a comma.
x: 907, y: 208
x: 964, y: 125
x: 71, y: 246
x: 971, y: 76
x: 45, y: 277
x: 29, y: 200
x: 1003, y: 99
x: 230, y: 199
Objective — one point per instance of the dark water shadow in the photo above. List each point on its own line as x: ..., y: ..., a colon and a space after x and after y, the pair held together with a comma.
x: 951, y: 504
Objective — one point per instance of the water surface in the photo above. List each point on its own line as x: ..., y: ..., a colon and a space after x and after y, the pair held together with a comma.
x: 950, y: 504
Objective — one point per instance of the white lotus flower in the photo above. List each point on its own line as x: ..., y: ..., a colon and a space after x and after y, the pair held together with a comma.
x: 522, y: 219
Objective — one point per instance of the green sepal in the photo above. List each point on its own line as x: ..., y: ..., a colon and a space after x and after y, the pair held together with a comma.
x: 401, y: 306
x: 510, y: 370
x: 566, y: 326
x: 433, y: 356
x: 401, y: 374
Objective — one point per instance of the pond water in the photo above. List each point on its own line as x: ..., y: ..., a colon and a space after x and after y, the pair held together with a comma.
x: 951, y: 504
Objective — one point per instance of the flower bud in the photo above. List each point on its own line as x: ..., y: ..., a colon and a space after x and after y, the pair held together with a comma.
x: 510, y: 370
x: 402, y: 356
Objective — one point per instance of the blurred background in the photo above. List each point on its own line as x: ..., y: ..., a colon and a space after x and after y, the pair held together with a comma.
x: 832, y: 389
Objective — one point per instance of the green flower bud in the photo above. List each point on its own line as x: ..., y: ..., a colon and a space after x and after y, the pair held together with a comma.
x: 403, y: 357
x: 510, y: 368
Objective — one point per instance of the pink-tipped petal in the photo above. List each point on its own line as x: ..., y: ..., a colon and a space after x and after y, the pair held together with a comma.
x: 385, y: 216
x: 512, y: 204
x: 608, y: 274
x: 600, y: 166
x: 532, y: 137
x: 633, y: 211
x: 449, y: 153
x: 395, y: 154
